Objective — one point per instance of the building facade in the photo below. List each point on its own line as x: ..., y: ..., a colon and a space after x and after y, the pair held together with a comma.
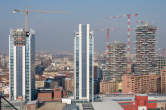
x: 118, y: 59
x: 145, y: 49
x: 108, y: 87
x: 163, y: 80
x: 69, y: 85
x: 140, y: 102
x: 141, y: 84
x: 161, y: 63
x: 21, y: 65
x: 83, y: 63
x: 97, y: 79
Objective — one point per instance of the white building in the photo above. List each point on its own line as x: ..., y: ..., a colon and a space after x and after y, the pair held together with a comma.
x: 83, y: 63
x: 21, y: 65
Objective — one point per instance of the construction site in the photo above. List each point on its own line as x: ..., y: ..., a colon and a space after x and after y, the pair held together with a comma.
x: 118, y: 59
x: 146, y: 61
x: 118, y: 53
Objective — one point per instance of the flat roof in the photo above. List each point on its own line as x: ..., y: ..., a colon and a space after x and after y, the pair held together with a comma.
x: 111, y: 105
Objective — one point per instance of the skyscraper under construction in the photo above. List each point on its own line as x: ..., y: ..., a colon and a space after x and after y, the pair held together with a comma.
x: 118, y: 59
x: 145, y: 49
x: 21, y: 65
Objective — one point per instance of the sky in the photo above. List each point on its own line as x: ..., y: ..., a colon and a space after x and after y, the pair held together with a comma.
x: 54, y: 32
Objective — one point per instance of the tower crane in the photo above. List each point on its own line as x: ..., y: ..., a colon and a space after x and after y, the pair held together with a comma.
x: 129, y: 29
x: 27, y: 11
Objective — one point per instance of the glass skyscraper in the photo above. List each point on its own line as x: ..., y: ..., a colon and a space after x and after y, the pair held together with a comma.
x: 21, y: 65
x: 83, y: 63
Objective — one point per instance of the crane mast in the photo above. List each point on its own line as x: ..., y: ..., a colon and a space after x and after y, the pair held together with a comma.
x: 26, y: 20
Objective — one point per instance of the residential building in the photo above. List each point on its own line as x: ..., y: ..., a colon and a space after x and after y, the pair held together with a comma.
x: 145, y: 49
x: 145, y: 83
x: 108, y: 87
x: 161, y: 62
x: 118, y: 59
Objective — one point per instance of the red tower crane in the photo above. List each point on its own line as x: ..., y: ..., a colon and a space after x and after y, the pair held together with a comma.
x: 129, y: 31
x: 108, y: 48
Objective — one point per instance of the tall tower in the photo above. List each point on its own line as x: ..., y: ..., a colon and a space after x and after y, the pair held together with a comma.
x: 83, y: 63
x: 145, y: 49
x: 21, y: 65
x: 118, y: 59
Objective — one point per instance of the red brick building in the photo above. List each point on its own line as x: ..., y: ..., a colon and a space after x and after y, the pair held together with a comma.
x: 58, y: 93
x: 141, y: 102
x: 45, y: 96
x: 55, y: 94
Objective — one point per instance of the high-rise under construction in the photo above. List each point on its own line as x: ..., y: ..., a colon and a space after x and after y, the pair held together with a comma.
x: 118, y: 58
x: 145, y: 49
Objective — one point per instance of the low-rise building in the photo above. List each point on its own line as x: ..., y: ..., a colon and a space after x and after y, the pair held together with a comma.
x: 58, y: 94
x: 141, y: 102
x: 69, y: 85
x: 55, y: 94
x: 108, y: 87
x: 39, y: 84
x: 45, y: 95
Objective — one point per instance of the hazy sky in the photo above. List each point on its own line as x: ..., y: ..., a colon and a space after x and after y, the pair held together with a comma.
x: 54, y: 32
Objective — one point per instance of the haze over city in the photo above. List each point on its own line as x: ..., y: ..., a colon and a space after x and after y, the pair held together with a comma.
x: 82, y: 55
x: 54, y: 32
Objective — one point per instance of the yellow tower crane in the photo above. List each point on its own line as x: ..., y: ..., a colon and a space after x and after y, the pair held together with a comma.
x: 27, y: 11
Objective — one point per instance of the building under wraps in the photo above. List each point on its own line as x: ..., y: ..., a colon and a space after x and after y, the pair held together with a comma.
x: 145, y: 49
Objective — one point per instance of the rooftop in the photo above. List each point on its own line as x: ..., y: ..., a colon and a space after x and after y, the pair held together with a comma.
x: 111, y: 105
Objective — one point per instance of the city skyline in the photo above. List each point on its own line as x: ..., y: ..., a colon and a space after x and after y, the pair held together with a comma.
x: 82, y: 54
x: 53, y: 30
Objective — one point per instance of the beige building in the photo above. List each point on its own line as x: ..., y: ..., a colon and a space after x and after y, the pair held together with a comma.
x: 146, y: 83
x: 39, y: 84
x: 108, y: 87
x: 69, y: 84
x: 163, y: 80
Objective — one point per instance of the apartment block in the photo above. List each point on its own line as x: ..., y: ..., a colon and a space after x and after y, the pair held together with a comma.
x: 145, y: 49
x: 146, y: 83
x: 108, y: 87
x: 118, y: 58
x: 163, y: 80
